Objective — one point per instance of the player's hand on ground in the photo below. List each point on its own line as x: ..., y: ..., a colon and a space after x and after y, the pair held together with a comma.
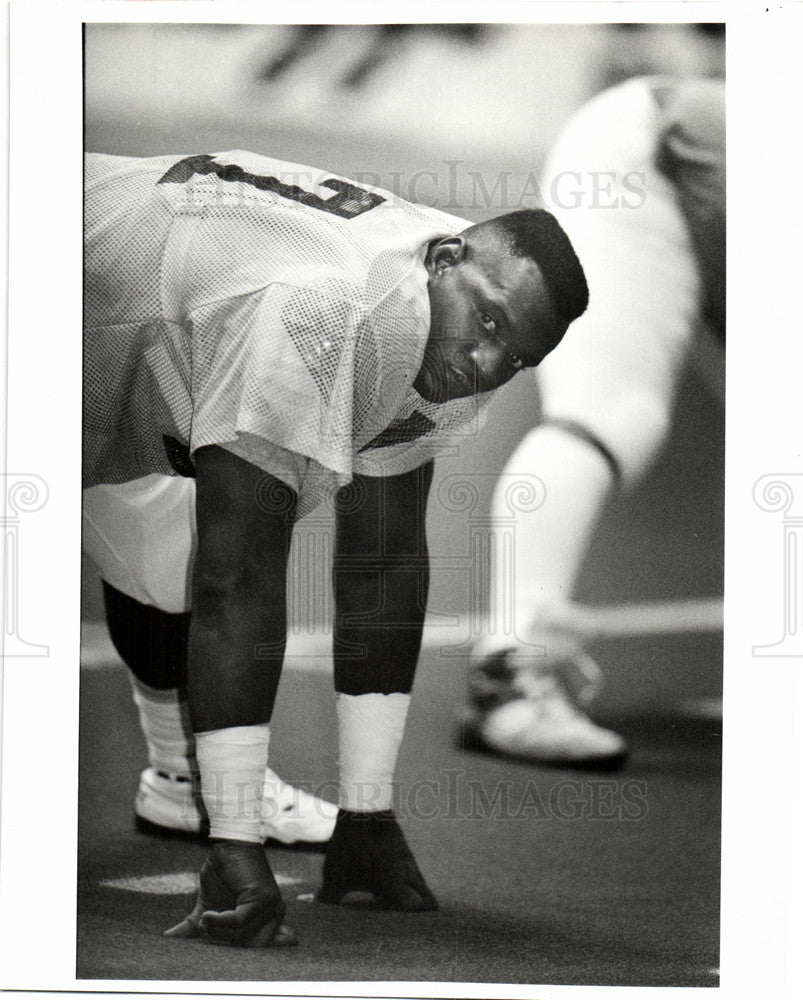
x: 238, y: 900
x: 368, y: 853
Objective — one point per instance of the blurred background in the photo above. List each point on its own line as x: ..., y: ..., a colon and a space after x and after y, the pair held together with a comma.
x: 460, y: 117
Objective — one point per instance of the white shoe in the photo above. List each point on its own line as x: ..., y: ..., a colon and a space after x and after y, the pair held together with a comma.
x: 291, y: 815
x: 169, y: 805
x: 166, y: 804
x: 533, y: 713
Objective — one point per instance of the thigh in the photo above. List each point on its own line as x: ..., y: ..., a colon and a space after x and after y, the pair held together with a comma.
x: 617, y: 369
x: 141, y: 536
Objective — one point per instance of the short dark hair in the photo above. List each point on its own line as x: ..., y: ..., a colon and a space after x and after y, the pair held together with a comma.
x: 537, y: 234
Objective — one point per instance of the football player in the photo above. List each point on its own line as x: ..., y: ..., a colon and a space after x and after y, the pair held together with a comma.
x: 637, y: 181
x: 286, y: 337
x: 141, y: 537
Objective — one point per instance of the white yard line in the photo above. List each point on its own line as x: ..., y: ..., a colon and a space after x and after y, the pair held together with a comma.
x: 659, y: 617
x: 170, y: 884
x: 311, y: 651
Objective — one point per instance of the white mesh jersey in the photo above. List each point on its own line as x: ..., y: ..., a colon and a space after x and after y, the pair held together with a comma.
x: 271, y: 308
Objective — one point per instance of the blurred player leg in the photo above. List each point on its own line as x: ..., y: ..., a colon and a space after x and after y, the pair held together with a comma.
x: 607, y: 399
x: 527, y: 685
x: 141, y: 536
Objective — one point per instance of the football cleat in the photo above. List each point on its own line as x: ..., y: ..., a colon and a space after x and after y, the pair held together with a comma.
x: 167, y: 805
x: 530, y: 708
x: 368, y: 854
x: 170, y: 805
x: 291, y: 816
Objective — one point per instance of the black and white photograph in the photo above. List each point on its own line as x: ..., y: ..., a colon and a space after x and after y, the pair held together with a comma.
x: 403, y: 602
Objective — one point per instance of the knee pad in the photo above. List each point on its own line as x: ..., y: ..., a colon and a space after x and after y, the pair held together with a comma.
x: 152, y: 643
x: 629, y: 433
x: 584, y: 434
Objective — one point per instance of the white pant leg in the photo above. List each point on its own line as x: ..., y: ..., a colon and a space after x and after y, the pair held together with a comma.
x: 141, y: 535
x: 617, y: 370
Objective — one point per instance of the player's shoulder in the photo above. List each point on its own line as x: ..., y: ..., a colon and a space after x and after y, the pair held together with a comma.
x: 102, y: 168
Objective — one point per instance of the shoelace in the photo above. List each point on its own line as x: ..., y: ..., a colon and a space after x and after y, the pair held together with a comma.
x: 548, y: 697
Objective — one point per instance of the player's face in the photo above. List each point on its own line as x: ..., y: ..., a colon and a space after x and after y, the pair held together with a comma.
x: 490, y: 317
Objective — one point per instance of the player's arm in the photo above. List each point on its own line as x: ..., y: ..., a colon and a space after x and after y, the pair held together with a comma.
x: 381, y: 581
x: 237, y: 634
x: 236, y: 648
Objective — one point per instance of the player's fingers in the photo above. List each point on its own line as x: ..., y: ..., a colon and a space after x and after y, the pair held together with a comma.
x: 247, y: 926
x: 271, y: 936
x: 190, y: 926
x: 409, y: 894
x: 243, y: 920
x: 285, y: 936
x: 186, y: 929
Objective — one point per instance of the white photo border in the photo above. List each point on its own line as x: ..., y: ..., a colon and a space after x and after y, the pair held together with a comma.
x: 763, y: 756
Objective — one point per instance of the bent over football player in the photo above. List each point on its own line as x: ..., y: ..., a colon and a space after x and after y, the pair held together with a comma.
x: 284, y: 336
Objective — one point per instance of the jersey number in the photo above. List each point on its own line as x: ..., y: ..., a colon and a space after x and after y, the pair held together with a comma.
x: 349, y: 200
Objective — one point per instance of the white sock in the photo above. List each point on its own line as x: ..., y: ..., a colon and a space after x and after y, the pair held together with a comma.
x: 232, y: 764
x: 165, y: 724
x: 370, y: 731
x: 538, y: 553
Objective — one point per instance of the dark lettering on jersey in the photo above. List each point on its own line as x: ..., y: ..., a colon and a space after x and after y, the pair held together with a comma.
x: 401, y: 431
x: 348, y: 202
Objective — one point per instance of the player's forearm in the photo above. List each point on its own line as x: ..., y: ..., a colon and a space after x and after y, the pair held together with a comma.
x: 379, y: 618
x: 237, y: 633
x: 236, y: 648
x: 381, y: 583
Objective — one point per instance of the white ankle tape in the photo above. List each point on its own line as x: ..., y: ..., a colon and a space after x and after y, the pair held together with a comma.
x: 164, y: 720
x: 232, y: 764
x: 370, y: 730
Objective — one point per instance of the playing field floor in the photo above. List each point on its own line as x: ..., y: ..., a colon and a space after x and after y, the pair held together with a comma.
x: 543, y: 876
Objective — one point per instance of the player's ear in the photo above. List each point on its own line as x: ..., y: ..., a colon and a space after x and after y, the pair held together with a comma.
x: 445, y: 253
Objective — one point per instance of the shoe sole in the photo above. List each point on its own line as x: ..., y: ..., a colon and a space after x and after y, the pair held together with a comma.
x: 151, y: 829
x: 469, y: 739
x: 309, y: 846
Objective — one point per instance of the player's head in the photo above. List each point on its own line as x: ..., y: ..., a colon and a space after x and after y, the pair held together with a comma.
x: 502, y: 294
